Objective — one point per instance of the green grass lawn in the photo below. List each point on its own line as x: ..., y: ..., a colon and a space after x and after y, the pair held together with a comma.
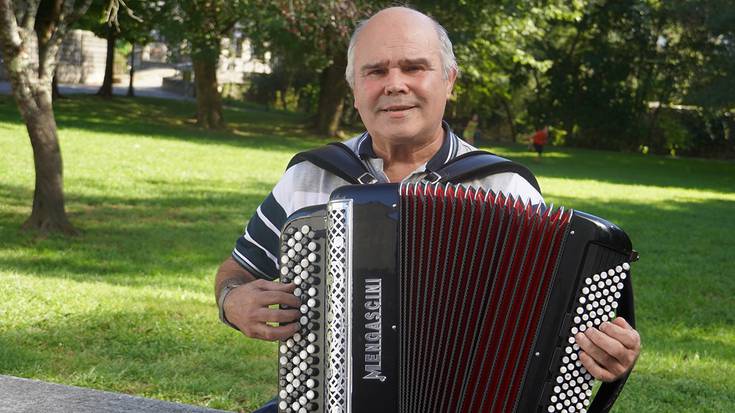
x: 128, y: 305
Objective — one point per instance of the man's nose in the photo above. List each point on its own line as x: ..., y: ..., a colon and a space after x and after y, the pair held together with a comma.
x: 395, y: 82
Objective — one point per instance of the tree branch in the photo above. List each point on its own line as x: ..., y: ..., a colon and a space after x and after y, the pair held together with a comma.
x: 29, y: 19
x: 46, y: 20
x: 10, y: 40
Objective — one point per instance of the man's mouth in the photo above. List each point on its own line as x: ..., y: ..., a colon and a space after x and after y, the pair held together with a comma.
x: 397, y: 108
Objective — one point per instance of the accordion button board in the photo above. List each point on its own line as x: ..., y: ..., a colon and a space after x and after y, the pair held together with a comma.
x: 429, y: 298
x: 301, y: 374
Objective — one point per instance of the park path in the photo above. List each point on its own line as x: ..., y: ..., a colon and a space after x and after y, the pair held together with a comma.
x: 147, y: 83
x: 76, y: 89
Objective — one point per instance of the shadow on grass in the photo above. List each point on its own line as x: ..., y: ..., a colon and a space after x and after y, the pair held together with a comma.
x: 131, y: 241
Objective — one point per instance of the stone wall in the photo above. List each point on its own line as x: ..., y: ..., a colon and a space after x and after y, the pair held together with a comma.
x: 82, y: 58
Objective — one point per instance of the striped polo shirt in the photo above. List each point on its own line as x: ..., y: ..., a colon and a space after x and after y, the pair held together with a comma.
x: 305, y: 184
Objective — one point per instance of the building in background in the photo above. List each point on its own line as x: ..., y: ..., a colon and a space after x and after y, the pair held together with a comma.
x: 82, y: 61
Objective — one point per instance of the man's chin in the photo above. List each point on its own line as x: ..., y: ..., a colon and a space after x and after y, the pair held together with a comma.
x: 397, y: 132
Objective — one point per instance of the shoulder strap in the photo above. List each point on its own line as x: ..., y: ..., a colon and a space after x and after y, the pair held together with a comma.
x: 338, y: 159
x: 478, y: 164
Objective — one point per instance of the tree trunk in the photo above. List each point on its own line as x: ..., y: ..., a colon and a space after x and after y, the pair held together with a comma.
x: 55, y: 92
x: 30, y: 62
x: 35, y: 105
x: 48, y: 213
x: 511, y: 122
x: 332, y: 91
x: 209, y: 102
x: 106, y: 89
x: 131, y: 91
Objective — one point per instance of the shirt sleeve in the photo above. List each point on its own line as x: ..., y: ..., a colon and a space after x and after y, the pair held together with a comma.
x: 301, y: 185
x: 257, y: 249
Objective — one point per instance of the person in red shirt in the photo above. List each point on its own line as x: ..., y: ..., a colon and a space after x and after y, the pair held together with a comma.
x: 538, y: 139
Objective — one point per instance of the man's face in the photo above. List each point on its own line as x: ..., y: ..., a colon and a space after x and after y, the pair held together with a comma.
x: 400, y: 90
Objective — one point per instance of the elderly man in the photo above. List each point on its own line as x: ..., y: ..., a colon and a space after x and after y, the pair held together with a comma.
x: 401, y: 68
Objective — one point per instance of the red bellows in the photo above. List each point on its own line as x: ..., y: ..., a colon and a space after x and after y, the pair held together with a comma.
x: 476, y: 269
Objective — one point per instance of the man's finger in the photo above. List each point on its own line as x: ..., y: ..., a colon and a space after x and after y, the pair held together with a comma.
x: 595, y: 369
x: 608, y: 344
x: 600, y: 356
x: 623, y: 332
x: 267, y: 298
x: 272, y: 315
x: 266, y: 285
x: 273, y: 333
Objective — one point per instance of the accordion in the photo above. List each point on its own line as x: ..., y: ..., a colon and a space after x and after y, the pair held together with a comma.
x: 442, y: 298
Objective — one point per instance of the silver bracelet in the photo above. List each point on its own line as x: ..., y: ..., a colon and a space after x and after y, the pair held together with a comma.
x: 229, y: 286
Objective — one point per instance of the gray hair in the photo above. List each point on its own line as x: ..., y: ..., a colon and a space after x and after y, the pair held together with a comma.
x: 449, y: 62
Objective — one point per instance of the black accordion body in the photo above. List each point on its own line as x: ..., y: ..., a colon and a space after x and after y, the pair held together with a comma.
x: 441, y: 298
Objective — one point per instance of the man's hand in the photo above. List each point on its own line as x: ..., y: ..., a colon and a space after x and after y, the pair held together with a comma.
x: 247, y: 307
x: 610, y: 351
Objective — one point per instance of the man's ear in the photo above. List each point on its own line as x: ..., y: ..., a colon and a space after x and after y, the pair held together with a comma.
x: 450, y: 82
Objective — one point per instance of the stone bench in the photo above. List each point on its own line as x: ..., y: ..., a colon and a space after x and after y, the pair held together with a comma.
x: 19, y: 395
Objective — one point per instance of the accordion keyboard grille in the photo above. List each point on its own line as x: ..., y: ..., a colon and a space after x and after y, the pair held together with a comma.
x: 472, y: 294
x: 338, y: 222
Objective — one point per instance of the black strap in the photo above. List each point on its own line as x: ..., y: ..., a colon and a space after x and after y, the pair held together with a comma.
x: 338, y: 159
x: 479, y: 164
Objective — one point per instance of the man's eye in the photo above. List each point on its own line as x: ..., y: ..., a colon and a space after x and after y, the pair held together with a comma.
x: 375, y: 72
x: 411, y: 69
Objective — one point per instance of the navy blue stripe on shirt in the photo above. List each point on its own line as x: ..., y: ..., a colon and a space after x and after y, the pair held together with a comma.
x: 263, y: 236
x: 273, y: 212
x: 253, y: 259
x: 257, y: 248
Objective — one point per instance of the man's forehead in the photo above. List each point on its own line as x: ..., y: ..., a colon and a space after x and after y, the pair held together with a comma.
x: 378, y: 46
x: 396, y: 53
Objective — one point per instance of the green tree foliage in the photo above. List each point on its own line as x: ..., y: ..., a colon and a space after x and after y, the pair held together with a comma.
x: 497, y: 47
x: 313, y: 36
x: 621, y: 62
